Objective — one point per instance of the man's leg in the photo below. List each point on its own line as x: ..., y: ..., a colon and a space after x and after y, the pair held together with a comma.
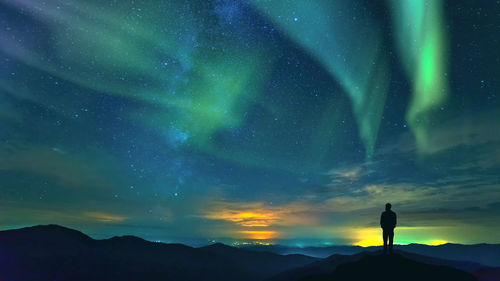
x: 385, y: 236
x: 391, y: 239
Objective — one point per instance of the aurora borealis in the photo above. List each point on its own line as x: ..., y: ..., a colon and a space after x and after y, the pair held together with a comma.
x: 277, y: 121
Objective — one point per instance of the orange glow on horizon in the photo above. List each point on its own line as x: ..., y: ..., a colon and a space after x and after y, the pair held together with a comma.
x: 259, y: 235
x: 251, y: 215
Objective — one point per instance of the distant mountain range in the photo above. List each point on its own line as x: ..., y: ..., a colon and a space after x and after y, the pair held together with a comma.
x: 53, y: 252
x: 487, y: 254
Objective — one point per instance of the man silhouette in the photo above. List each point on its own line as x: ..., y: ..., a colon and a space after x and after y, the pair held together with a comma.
x: 388, y: 223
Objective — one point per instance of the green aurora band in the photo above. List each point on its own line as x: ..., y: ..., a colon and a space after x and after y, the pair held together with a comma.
x: 215, y: 86
x: 422, y: 44
x: 198, y: 91
x: 355, y: 59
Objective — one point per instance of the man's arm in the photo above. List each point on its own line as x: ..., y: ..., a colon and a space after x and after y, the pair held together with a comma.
x: 381, y: 219
x: 395, y: 219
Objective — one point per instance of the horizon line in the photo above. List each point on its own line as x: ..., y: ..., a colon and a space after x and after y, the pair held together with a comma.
x: 242, y: 242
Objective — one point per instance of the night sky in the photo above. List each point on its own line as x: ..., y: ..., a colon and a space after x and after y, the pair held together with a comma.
x: 275, y: 121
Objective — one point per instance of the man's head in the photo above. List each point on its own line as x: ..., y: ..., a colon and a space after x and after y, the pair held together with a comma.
x: 388, y: 206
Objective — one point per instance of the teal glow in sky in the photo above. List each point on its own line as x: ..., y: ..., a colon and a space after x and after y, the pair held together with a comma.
x: 422, y: 42
x: 326, y: 33
x: 276, y: 121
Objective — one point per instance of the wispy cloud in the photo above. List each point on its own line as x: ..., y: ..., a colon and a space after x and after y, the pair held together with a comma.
x: 12, y: 215
x: 465, y: 132
x: 243, y: 213
x: 90, y: 169
x: 105, y: 217
x: 259, y: 218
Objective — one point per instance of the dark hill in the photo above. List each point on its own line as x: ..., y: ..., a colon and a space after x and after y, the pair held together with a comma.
x: 328, y: 265
x: 257, y: 262
x: 322, y: 266
x: 488, y: 274
x: 56, y: 253
x: 389, y: 268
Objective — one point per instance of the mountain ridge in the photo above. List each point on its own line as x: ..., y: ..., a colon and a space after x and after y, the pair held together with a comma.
x: 57, y: 252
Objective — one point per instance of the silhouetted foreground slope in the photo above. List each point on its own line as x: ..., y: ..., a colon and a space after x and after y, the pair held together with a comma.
x: 328, y: 265
x: 388, y: 268
x: 57, y: 253
x: 488, y: 274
